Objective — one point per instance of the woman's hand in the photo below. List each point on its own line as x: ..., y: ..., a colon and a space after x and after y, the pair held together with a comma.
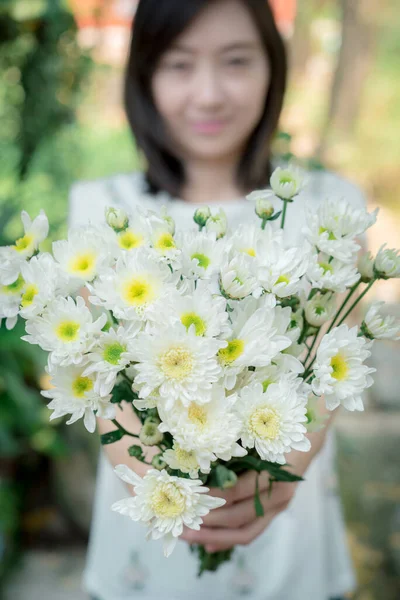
x: 236, y: 523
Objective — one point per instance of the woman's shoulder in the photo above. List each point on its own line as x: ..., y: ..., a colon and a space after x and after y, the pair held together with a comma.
x: 88, y: 199
x: 324, y: 184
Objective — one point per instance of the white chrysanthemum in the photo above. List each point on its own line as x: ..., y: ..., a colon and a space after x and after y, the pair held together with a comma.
x: 10, y: 265
x: 205, y: 311
x: 165, y: 504
x: 116, y: 218
x: 237, y: 278
x: 41, y: 278
x: 210, y: 431
x: 282, y: 268
x: 250, y: 239
x: 161, y: 236
x: 74, y: 393
x: 377, y: 327
x: 201, y: 254
x: 136, y: 288
x: 387, y: 263
x: 254, y: 340
x: 320, y: 309
x: 274, y: 420
x: 288, y: 182
x: 366, y: 267
x: 10, y: 300
x: 183, y: 460
x: 267, y: 375
x: 333, y: 226
x: 263, y: 201
x: 34, y: 233
x: 339, y: 372
x: 65, y: 329
x: 180, y: 364
x: 217, y: 224
x: 111, y: 354
x: 333, y: 275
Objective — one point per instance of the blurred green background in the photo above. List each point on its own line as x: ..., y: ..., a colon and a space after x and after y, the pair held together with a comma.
x: 61, y: 66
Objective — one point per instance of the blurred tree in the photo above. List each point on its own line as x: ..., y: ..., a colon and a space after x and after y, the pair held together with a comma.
x: 301, y: 43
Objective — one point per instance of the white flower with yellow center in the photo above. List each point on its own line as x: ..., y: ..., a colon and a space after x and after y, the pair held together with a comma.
x: 183, y: 460
x: 387, y: 263
x: 331, y: 274
x: 238, y: 278
x: 34, y: 233
x: 136, y: 288
x: 281, y: 269
x: 10, y: 265
x: 252, y: 240
x: 377, y: 327
x: 202, y: 254
x: 86, y: 253
x: 333, y: 225
x: 217, y: 224
x: 111, y: 354
x: 165, y: 504
x: 73, y: 393
x: 10, y: 300
x: 254, y: 340
x: 287, y: 182
x: 65, y: 329
x: 178, y: 363
x: 339, y: 372
x: 274, y: 420
x: 40, y: 275
x: 209, y: 431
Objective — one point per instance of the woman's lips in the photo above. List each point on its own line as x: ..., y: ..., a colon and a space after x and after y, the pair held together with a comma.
x: 210, y: 127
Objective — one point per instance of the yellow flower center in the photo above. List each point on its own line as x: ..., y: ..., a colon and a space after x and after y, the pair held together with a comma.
x: 265, y: 384
x: 249, y: 251
x: 265, y: 423
x: 177, y: 363
x: 68, y: 331
x: 326, y: 267
x: 81, y: 385
x: 27, y: 297
x: 232, y: 352
x: 197, y: 415
x: 331, y: 235
x: 24, y: 243
x: 202, y: 259
x: 112, y: 353
x: 340, y: 367
x: 188, y: 319
x: 128, y: 240
x: 83, y: 265
x: 167, y: 501
x: 283, y: 279
x: 185, y: 458
x: 13, y: 288
x: 138, y: 291
x: 165, y: 242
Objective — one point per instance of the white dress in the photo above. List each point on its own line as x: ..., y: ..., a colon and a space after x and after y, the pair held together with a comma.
x: 302, y: 555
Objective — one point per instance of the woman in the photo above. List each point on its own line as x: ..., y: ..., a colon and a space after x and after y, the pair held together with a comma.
x: 204, y: 91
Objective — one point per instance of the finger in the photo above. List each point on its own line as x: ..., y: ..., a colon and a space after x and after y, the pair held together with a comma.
x: 244, y: 488
x: 239, y: 513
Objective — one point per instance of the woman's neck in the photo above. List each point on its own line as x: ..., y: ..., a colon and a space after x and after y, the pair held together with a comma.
x: 209, y: 181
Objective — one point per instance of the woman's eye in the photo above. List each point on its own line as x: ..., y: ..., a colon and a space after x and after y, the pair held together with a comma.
x: 178, y: 66
x: 238, y: 62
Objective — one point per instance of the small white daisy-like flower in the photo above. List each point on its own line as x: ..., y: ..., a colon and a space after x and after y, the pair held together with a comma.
x: 331, y: 274
x: 10, y: 300
x: 201, y: 254
x: 237, y: 278
x: 178, y: 363
x: 217, y: 224
x: 250, y: 239
x: 339, y: 372
x: 86, y: 253
x: 281, y: 270
x: 210, y: 431
x: 111, y: 354
x: 366, y: 267
x: 74, y: 393
x: 274, y: 420
x: 287, y: 182
x: 254, y: 340
x: 10, y: 265
x: 40, y: 275
x: 387, y: 263
x: 150, y: 435
x: 320, y: 309
x: 183, y: 460
x: 136, y: 288
x: 34, y: 233
x: 263, y: 201
x: 65, y: 329
x: 201, y: 215
x: 165, y: 504
x: 333, y: 226
x: 377, y: 327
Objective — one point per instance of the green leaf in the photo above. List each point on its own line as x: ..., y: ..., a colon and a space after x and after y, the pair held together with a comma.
x: 225, y: 478
x: 111, y: 437
x: 136, y: 451
x: 275, y: 216
x: 257, y: 500
x: 122, y: 392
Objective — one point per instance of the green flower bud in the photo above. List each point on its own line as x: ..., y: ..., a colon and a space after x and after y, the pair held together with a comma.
x: 158, y: 462
x: 116, y: 218
x: 202, y: 215
x: 150, y: 435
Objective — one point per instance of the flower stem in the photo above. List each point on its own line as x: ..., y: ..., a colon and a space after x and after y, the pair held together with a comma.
x: 121, y: 428
x: 345, y: 301
x: 311, y: 348
x: 357, y: 300
x: 285, y: 203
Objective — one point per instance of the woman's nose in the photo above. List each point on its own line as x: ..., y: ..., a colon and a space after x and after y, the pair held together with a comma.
x: 208, y: 88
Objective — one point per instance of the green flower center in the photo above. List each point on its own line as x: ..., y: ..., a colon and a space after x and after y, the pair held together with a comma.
x: 340, y: 367
x: 29, y: 294
x: 112, y: 353
x: 81, y: 386
x: 14, y: 288
x: 188, y: 319
x: 68, y: 331
x: 232, y: 352
x: 202, y: 259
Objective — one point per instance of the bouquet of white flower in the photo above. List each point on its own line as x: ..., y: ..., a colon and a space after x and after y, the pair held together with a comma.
x: 221, y: 341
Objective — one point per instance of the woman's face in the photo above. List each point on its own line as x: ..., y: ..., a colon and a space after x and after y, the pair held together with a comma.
x: 210, y: 86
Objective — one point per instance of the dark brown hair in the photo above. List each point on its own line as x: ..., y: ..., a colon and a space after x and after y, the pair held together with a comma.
x: 157, y: 24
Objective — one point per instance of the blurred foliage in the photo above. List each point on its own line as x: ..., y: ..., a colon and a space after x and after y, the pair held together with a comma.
x: 41, y: 69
